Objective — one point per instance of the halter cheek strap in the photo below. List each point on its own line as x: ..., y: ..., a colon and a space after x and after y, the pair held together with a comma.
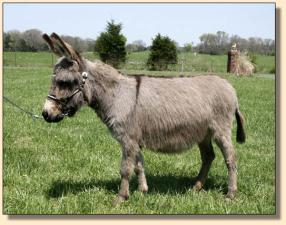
x: 65, y: 100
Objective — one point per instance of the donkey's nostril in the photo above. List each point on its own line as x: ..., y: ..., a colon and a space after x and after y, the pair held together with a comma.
x: 45, y: 114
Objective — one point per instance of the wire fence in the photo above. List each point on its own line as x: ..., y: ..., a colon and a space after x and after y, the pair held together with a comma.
x: 181, y: 66
x: 29, y: 59
x: 186, y: 62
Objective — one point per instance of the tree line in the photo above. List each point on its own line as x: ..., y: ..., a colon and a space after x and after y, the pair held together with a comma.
x: 210, y: 43
x: 220, y: 42
x: 32, y: 41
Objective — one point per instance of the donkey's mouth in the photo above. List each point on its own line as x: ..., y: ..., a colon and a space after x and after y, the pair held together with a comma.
x: 55, y: 119
x: 52, y: 119
x: 71, y: 112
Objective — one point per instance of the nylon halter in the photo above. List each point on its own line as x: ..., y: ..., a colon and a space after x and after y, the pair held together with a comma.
x: 65, y: 100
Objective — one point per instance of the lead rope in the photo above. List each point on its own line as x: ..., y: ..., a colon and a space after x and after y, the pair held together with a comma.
x: 34, y: 116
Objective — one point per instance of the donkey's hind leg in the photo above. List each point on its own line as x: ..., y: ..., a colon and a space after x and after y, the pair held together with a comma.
x: 207, y: 156
x: 224, y: 143
x: 139, y: 170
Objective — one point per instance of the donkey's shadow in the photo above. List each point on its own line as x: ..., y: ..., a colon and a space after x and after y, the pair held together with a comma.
x: 164, y: 184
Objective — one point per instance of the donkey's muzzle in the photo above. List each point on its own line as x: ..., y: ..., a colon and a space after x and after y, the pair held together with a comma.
x: 52, y: 119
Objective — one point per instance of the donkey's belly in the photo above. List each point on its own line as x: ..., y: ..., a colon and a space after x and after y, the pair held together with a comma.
x: 170, y: 142
x: 167, y: 147
x: 171, y: 149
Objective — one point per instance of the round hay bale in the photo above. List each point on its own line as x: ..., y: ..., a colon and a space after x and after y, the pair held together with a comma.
x: 239, y: 64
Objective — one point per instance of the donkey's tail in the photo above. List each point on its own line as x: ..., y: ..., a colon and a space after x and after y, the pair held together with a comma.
x: 240, y: 134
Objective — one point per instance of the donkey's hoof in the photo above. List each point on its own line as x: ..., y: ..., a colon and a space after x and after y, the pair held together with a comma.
x: 118, y: 200
x: 198, y: 186
x: 230, y: 196
x: 143, y: 188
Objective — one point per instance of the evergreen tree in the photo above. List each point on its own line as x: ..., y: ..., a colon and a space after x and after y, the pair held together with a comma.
x: 163, y: 52
x: 110, y: 45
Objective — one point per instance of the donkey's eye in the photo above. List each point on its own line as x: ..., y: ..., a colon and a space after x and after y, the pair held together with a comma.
x: 75, y: 82
x: 64, y: 84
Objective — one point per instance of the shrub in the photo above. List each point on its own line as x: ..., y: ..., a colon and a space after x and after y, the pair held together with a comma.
x: 110, y: 45
x: 163, y: 52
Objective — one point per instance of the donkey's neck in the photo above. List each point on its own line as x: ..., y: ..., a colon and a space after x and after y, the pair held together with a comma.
x: 101, y: 87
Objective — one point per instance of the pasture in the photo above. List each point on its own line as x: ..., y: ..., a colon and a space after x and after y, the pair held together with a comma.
x: 72, y: 167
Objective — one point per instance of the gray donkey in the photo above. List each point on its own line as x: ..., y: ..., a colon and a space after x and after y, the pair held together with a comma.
x: 163, y: 114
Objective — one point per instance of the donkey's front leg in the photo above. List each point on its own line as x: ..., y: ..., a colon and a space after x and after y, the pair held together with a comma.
x: 130, y: 150
x: 139, y: 170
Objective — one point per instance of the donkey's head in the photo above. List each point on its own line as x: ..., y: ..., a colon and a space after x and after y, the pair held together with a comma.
x: 66, y: 91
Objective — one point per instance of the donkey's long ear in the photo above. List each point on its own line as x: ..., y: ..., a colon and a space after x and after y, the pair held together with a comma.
x: 66, y: 49
x: 51, y: 45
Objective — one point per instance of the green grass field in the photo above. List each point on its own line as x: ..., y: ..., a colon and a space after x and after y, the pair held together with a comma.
x: 72, y: 167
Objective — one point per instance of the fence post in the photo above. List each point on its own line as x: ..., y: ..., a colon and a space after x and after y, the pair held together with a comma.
x: 183, y: 61
x: 15, y: 57
x: 232, y: 61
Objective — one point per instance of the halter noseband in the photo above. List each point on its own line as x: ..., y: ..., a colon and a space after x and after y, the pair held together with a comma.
x: 64, y: 101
